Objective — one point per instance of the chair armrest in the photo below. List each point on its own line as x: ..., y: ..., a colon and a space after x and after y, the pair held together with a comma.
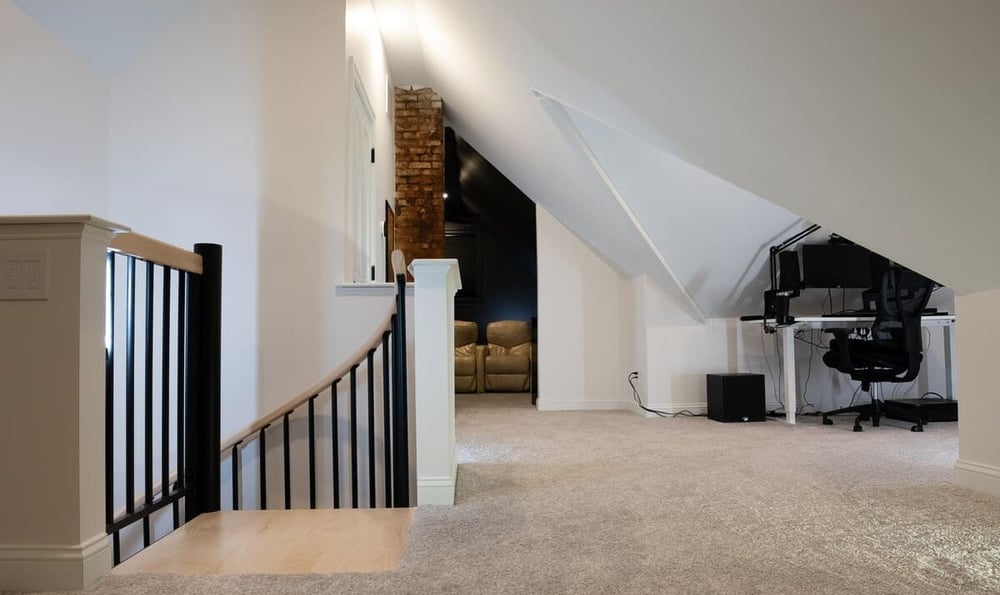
x: 843, y: 348
x: 531, y: 367
x: 481, y: 368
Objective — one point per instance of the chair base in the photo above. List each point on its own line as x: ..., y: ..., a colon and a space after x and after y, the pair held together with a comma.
x: 874, y: 411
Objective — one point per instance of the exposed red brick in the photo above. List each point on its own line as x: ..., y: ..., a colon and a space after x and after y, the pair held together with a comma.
x: 419, y: 173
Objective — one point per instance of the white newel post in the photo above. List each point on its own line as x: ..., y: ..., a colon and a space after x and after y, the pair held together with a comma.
x: 52, y: 312
x: 435, y: 284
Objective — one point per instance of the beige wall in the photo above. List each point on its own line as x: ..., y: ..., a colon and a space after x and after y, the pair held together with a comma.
x: 53, y: 123
x: 979, y: 403
x: 584, y: 348
x: 230, y: 128
x: 52, y: 533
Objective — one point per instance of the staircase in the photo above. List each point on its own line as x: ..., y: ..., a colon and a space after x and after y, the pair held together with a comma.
x: 152, y: 471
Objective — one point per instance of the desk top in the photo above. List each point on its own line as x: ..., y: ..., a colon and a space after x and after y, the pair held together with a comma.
x: 820, y: 321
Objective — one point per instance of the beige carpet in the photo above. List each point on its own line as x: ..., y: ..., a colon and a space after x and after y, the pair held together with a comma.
x: 595, y: 502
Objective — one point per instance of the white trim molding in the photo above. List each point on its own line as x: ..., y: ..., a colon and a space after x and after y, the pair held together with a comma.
x: 370, y: 289
x: 436, y: 491
x: 436, y: 280
x: 25, y: 567
x: 978, y: 477
x: 579, y: 405
x: 699, y: 408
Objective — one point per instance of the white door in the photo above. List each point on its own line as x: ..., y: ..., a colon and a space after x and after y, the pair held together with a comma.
x: 361, y: 183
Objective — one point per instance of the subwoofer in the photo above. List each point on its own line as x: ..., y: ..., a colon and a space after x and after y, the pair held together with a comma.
x: 736, y: 397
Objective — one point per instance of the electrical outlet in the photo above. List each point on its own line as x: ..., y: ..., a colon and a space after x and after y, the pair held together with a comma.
x: 25, y: 276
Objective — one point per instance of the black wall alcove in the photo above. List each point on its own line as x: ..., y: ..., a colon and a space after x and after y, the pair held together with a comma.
x: 490, y: 229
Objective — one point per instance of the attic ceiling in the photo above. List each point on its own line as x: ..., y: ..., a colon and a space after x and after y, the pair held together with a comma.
x: 636, y: 123
x: 109, y: 34
x: 877, y: 120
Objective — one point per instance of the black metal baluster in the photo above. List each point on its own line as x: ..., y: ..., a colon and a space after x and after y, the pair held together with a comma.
x: 182, y: 321
x: 109, y: 397
x: 400, y: 441
x: 288, y: 465
x: 371, y: 428
x: 130, y: 387
x: 165, y: 390
x: 354, y: 436
x: 234, y: 459
x: 386, y: 422
x: 312, y: 451
x: 335, y: 442
x: 116, y: 544
x: 262, y: 460
x: 148, y: 406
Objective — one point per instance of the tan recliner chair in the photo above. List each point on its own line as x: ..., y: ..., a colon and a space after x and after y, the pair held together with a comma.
x: 468, y: 367
x: 509, y: 356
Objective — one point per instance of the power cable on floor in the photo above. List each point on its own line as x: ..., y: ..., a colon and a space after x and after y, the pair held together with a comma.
x: 632, y: 377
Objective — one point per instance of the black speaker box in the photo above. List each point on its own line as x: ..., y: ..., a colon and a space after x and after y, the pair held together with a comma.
x: 736, y: 397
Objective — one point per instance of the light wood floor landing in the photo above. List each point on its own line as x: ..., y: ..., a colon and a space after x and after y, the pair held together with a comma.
x: 279, y: 542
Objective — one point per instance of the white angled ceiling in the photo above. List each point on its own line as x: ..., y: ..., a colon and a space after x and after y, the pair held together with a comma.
x: 107, y: 33
x: 713, y: 235
x: 877, y: 120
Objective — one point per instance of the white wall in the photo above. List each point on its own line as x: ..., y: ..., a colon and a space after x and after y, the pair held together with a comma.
x: 53, y: 123
x: 229, y: 128
x: 364, y: 45
x: 979, y: 408
x: 584, y: 349
x: 673, y: 352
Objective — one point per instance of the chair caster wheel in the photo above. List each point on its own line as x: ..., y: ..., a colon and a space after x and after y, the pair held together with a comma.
x: 917, y: 429
x: 858, y: 428
x: 827, y: 421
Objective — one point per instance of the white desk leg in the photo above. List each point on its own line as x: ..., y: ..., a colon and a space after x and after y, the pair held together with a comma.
x: 950, y: 372
x: 787, y: 335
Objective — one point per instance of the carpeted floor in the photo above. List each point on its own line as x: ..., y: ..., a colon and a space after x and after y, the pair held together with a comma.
x: 608, y: 502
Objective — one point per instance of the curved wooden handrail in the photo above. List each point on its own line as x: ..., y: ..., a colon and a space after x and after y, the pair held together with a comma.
x: 398, y: 263
x: 146, y: 248
x: 340, y: 371
x: 277, y: 413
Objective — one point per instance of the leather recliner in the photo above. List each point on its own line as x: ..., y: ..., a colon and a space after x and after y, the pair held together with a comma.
x: 509, y: 356
x: 468, y: 358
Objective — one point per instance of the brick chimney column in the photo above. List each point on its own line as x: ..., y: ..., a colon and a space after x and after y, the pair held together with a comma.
x: 419, y: 173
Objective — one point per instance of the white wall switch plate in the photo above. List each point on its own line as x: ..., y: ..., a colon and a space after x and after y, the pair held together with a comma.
x: 24, y: 276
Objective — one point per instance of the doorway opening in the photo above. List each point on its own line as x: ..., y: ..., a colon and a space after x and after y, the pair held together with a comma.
x: 490, y: 230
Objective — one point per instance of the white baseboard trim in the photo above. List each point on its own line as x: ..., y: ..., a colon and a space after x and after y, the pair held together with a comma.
x: 26, y: 567
x: 436, y: 491
x: 978, y: 477
x: 544, y: 405
x: 696, y: 408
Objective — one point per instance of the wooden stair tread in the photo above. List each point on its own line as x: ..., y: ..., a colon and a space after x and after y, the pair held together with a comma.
x: 279, y: 542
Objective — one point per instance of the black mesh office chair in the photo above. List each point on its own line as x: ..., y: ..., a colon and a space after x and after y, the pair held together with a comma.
x: 891, y: 351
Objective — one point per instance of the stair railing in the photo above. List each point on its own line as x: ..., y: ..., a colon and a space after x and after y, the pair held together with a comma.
x: 390, y: 338
x: 180, y: 342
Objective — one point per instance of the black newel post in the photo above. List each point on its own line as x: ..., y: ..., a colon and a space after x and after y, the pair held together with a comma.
x: 204, y: 383
x: 400, y: 439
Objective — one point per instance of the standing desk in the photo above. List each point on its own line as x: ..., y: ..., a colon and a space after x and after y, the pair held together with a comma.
x: 786, y: 336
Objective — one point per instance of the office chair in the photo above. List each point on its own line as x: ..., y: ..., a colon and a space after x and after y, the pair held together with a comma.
x: 891, y: 351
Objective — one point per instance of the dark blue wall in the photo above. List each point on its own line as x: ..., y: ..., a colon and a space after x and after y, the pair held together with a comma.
x: 485, y: 210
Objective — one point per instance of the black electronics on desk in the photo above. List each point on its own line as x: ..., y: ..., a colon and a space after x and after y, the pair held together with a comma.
x: 836, y: 266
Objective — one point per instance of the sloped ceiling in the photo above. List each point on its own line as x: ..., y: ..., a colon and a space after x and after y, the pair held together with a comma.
x: 877, y: 120
x: 714, y: 236
x: 107, y: 33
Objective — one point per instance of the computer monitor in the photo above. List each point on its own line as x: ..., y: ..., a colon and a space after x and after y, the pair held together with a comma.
x: 836, y: 266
